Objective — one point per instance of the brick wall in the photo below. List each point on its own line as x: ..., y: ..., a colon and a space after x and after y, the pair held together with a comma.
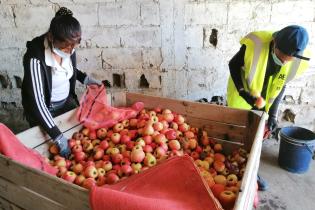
x: 173, y: 48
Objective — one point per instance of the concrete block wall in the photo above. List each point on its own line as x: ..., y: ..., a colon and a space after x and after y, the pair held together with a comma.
x: 172, y: 48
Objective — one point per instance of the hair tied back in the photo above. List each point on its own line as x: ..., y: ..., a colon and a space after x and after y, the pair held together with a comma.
x: 63, y: 11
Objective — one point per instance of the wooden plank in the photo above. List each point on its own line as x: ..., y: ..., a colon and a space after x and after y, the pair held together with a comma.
x: 29, y: 200
x: 193, y: 109
x: 219, y: 130
x: 47, y: 185
x: 36, y: 136
x: 7, y: 205
x: 248, y: 187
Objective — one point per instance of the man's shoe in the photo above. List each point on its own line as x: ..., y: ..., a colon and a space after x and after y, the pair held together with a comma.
x: 262, y: 184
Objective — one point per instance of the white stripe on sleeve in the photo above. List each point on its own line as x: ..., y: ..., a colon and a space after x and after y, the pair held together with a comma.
x: 38, y: 92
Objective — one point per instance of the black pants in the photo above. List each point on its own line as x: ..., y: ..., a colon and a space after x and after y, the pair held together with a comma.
x: 55, y: 111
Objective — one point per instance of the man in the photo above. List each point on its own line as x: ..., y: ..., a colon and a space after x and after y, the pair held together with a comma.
x: 265, y: 63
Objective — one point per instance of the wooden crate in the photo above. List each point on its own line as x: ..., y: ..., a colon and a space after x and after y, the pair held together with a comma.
x: 22, y: 187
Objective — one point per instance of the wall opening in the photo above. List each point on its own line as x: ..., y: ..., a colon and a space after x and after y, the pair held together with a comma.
x: 214, y: 37
x: 4, y: 81
x: 119, y: 80
x: 18, y: 81
x: 144, y: 82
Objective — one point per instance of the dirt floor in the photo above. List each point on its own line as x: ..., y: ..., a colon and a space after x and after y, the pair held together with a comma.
x: 287, y: 190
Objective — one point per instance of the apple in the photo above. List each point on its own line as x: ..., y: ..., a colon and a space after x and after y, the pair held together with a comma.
x: 88, y: 183
x: 112, y: 178
x: 210, y: 181
x: 170, y: 134
x: 92, y: 134
x: 217, y: 189
x: 61, y: 170
x: 154, y: 119
x: 77, y: 168
x: 91, y: 172
x: 183, y: 127
x: 125, y: 161
x: 101, y: 180
x: 137, y: 155
x: 159, y: 138
x: 260, y: 102
x: 107, y: 166
x: 69, y: 176
x: 96, y: 142
x: 124, y: 131
x: 220, y: 179
x: 60, y: 163
x: 115, y: 138
x: 179, y: 134
x: 132, y: 133
x: 133, y: 122
x: 100, y: 172
x: 218, y: 166
x: 118, y: 127
x: 164, y: 146
x: 53, y: 149
x: 168, y: 117
x: 98, y: 154
x: 159, y: 152
x: 140, y: 142
x: 99, y: 164
x: 126, y: 169
x: 125, y: 123
x: 130, y: 145
x: 147, y: 139
x: 141, y: 123
x: 87, y: 147
x: 189, y: 134
x: 79, y: 156
x: 219, y: 157
x: 192, y: 144
x: 158, y: 126
x: 148, y: 130
x: 124, y: 139
x: 227, y: 199
x: 77, y: 136
x: 174, y: 125
x: 88, y: 163
x: 104, y: 144
x: 147, y: 148
x: 109, y: 133
x: 136, y: 167
x: 149, y: 160
x: 209, y: 159
x: 232, y: 180
x: 205, y: 140
x: 218, y: 147
x: 122, y: 148
x: 71, y: 142
x: 174, y: 145
x: 77, y: 148
x: 126, y: 154
x: 165, y: 124
x: 117, y: 158
x: 79, y: 179
x: 179, y: 119
x: 101, y: 133
x: 85, y: 131
x: 195, y: 155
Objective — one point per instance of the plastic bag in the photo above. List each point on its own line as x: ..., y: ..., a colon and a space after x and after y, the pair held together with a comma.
x: 95, y: 113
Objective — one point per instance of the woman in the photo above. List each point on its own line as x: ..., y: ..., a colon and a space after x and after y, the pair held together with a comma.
x: 50, y: 74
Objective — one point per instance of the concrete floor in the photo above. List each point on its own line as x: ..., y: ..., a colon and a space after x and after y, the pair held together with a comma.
x: 287, y: 190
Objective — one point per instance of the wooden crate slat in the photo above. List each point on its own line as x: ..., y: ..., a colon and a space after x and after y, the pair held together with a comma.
x: 49, y: 186
x: 193, y: 109
x: 218, y: 130
x: 7, y: 205
x: 36, y: 136
x: 29, y: 200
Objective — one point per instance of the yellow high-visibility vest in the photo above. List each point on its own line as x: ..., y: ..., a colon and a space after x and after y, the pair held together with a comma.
x: 254, y: 70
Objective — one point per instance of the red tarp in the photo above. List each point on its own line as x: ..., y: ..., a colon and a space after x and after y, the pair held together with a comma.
x: 173, y: 184
x: 11, y: 147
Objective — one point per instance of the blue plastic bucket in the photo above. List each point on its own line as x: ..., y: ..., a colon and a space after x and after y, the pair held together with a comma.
x: 296, y: 149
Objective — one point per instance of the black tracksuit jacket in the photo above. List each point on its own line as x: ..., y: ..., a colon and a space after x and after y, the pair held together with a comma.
x: 37, y: 85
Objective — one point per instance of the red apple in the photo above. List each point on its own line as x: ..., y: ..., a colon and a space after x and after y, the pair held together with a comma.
x: 79, y: 156
x: 104, y: 145
x: 118, y: 127
x: 85, y: 131
x: 149, y: 160
x: 88, y: 183
x: 124, y: 139
x: 179, y: 119
x: 227, y: 199
x: 147, y: 148
x: 69, y: 176
x: 79, y: 180
x: 174, y: 145
x: 158, y: 126
x: 90, y: 171
x: 189, y: 134
x: 126, y: 170
x: 117, y: 158
x: 77, y: 168
x: 87, y: 147
x: 101, y: 133
x: 171, y: 134
x: 71, y: 142
x: 137, y: 155
x: 77, y: 148
x: 101, y: 180
x: 98, y: 154
x: 218, y: 166
x: 112, y: 178
x: 125, y: 123
x: 133, y: 122
x: 108, y: 166
x: 183, y: 127
x: 92, y: 134
x: 100, y: 172
x: 217, y: 189
x: 115, y: 138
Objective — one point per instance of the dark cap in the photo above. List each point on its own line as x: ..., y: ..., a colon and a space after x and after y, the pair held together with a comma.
x: 292, y: 40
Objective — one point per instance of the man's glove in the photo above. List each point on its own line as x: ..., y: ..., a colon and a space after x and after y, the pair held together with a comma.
x: 272, y: 123
x: 62, y: 143
x: 247, y: 97
x: 91, y: 81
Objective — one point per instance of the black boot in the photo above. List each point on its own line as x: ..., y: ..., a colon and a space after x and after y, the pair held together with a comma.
x: 262, y: 184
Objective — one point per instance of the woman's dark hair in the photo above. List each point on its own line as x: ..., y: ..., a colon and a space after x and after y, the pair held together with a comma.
x: 64, y: 27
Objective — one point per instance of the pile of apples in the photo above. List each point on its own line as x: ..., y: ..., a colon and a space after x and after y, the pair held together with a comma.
x: 105, y: 156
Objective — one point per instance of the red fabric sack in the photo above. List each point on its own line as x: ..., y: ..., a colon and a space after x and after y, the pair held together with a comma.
x: 94, y: 112
x: 11, y: 147
x: 173, y: 184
